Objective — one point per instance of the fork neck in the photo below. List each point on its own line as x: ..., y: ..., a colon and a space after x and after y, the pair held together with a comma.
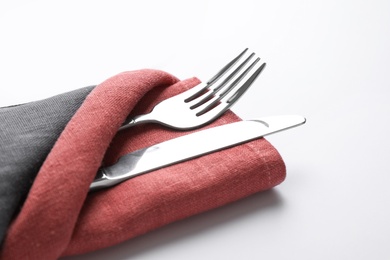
x: 129, y: 122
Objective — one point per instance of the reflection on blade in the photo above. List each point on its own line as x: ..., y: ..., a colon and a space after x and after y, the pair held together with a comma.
x: 191, y: 146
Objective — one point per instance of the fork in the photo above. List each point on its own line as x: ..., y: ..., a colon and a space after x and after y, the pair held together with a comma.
x: 207, y: 101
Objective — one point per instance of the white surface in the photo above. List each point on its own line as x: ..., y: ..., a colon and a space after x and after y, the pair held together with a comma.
x: 327, y: 60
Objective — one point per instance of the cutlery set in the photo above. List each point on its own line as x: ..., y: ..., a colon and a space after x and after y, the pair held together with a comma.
x: 193, y: 109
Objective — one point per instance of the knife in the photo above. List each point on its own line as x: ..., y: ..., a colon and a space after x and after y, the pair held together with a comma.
x: 191, y: 146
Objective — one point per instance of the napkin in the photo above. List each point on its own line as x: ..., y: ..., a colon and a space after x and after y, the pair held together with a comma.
x: 27, y: 134
x: 60, y: 217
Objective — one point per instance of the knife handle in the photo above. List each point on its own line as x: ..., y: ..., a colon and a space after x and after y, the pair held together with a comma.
x: 101, y: 181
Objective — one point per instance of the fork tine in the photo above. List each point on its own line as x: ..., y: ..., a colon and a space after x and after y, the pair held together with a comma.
x: 246, y: 85
x: 227, y: 90
x: 225, y: 68
x: 231, y: 75
x: 201, y: 99
x: 198, y: 90
x: 227, y: 96
x: 237, y: 80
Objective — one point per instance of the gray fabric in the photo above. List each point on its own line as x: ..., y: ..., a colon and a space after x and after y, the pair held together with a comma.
x: 27, y: 134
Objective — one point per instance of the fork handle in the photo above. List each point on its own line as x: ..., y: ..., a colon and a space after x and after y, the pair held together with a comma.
x: 137, y: 120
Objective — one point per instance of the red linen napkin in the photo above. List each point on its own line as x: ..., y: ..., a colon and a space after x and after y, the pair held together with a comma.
x: 61, y: 218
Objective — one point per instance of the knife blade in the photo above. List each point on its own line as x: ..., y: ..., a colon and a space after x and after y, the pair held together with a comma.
x: 191, y: 146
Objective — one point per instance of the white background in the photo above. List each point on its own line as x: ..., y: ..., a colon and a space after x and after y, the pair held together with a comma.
x: 327, y: 60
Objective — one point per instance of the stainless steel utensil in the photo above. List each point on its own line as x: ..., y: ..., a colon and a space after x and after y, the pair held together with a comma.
x: 207, y: 101
x: 191, y: 146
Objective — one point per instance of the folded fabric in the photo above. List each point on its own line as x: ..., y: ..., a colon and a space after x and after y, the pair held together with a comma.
x: 27, y: 134
x: 60, y: 217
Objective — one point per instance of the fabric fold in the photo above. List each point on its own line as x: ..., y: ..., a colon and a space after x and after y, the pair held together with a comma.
x: 61, y: 218
x: 27, y: 134
x: 45, y: 224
